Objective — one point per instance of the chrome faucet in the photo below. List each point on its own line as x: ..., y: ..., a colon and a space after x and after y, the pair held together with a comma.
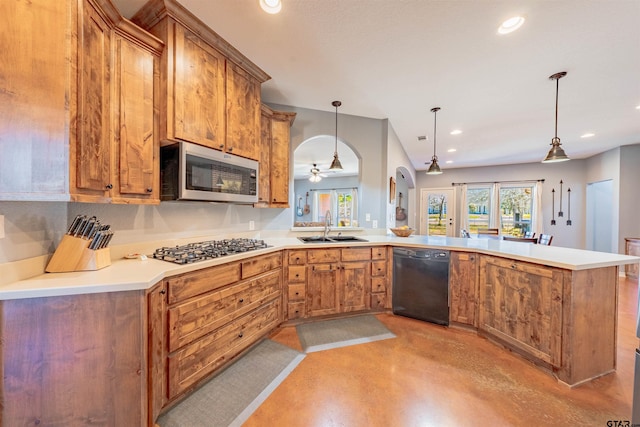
x: 327, y: 223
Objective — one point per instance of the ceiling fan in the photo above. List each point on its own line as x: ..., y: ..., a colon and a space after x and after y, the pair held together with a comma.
x: 316, y: 175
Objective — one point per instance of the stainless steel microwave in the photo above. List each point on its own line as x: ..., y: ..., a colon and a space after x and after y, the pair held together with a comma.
x: 193, y: 172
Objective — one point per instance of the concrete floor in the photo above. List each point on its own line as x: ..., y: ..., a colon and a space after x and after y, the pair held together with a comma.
x: 435, y: 376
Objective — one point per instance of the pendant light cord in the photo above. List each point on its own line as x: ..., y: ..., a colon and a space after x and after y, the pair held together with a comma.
x: 336, y: 149
x: 435, y: 113
x: 557, y: 88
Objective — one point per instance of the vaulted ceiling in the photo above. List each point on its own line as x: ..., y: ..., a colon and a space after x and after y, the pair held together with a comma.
x: 397, y: 59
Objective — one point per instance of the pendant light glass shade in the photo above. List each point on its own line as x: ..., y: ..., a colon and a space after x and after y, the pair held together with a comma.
x: 335, y: 164
x: 434, y: 168
x: 315, y: 174
x: 556, y: 153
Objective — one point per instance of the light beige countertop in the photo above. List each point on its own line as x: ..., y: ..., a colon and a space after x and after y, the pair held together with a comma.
x: 135, y: 274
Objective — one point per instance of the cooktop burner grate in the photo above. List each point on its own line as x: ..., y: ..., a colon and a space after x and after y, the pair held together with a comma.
x: 202, y: 251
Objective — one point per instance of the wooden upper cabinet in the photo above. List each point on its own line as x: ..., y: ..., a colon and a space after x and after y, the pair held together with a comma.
x: 114, y: 145
x: 243, y: 113
x: 210, y: 92
x: 135, y: 121
x: 35, y: 42
x: 92, y: 149
x: 274, y: 158
x: 198, y: 91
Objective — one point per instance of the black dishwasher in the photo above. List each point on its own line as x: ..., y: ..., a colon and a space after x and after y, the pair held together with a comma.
x: 421, y: 284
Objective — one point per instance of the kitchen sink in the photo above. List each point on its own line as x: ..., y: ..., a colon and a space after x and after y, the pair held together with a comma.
x: 331, y: 239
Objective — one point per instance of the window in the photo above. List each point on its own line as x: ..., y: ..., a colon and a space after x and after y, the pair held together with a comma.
x: 342, y: 203
x: 478, y: 208
x: 515, y: 209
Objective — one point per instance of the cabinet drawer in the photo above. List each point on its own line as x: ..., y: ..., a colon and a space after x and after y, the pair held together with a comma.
x: 315, y: 256
x: 297, y: 292
x: 378, y: 284
x: 296, y: 273
x: 296, y: 310
x: 197, y: 317
x: 379, y: 252
x: 261, y: 264
x: 199, y: 282
x: 378, y: 301
x: 297, y: 257
x: 379, y: 268
x: 199, y: 359
x: 356, y: 254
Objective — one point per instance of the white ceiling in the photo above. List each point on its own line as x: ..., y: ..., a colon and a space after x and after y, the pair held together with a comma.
x: 397, y: 59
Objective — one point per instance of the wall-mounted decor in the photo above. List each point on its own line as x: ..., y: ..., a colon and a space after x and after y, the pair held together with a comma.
x: 569, y: 206
x: 560, y: 213
x: 392, y: 190
x: 553, y: 208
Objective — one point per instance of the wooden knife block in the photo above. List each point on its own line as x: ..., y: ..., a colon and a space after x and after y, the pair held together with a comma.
x: 73, y: 254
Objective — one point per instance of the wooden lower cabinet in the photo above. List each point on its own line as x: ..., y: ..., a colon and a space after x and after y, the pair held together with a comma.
x: 631, y: 247
x: 200, y: 321
x: 331, y: 281
x: 463, y: 286
x: 522, y: 305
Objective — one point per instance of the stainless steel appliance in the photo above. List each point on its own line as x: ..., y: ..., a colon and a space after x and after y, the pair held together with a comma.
x: 201, y: 251
x: 193, y: 172
x: 421, y: 284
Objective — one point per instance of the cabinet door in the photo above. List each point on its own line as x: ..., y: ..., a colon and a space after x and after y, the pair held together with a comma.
x: 157, y: 332
x: 280, y: 141
x: 243, y: 113
x: 522, y: 305
x: 92, y: 146
x: 34, y: 98
x: 355, y: 283
x: 463, y: 283
x: 264, y: 179
x: 199, y: 95
x: 135, y: 122
x: 322, y: 290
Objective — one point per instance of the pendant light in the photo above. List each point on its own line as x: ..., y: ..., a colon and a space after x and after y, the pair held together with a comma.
x: 556, y: 153
x: 434, y: 169
x: 335, y: 164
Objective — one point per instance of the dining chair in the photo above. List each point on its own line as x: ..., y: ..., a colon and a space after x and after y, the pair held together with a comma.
x: 520, y: 239
x: 490, y: 231
x: 529, y: 234
x: 465, y: 233
x: 545, y: 239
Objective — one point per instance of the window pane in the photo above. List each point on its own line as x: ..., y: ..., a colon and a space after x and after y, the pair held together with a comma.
x: 478, y: 208
x: 437, y: 215
x: 515, y: 210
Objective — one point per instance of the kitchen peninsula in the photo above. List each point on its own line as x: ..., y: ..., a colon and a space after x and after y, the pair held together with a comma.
x: 103, y: 334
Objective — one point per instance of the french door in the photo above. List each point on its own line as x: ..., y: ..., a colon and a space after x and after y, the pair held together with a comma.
x: 437, y: 211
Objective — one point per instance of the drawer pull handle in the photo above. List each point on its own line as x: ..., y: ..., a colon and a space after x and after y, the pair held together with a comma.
x: 162, y: 292
x: 240, y: 335
x: 297, y: 274
x: 109, y: 186
x: 241, y: 299
x: 297, y: 293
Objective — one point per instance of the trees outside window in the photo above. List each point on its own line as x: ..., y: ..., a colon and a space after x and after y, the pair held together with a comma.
x: 516, y: 204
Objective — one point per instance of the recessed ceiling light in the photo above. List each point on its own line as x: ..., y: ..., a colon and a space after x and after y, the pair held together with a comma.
x: 587, y: 135
x: 271, y: 6
x: 451, y: 150
x: 511, y: 25
x: 637, y: 107
x: 449, y: 161
x: 456, y: 132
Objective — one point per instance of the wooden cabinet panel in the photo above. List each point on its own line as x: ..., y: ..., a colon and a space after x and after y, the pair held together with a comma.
x: 135, y: 81
x: 157, y: 349
x: 323, y: 295
x: 261, y: 264
x: 243, y: 113
x: 297, y: 257
x: 315, y: 256
x: 198, y: 317
x: 379, y: 253
x: 196, y: 283
x: 36, y: 42
x: 91, y: 151
x: 463, y: 285
x: 379, y: 268
x: 379, y: 284
x: 631, y: 247
x: 279, y: 172
x: 264, y: 171
x: 197, y: 360
x: 297, y: 273
x: 355, y: 286
x: 522, y: 305
x: 198, y: 90
x: 356, y: 254
x: 296, y: 310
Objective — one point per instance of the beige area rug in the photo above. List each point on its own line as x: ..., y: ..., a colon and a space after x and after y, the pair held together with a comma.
x: 328, y: 334
x: 234, y: 394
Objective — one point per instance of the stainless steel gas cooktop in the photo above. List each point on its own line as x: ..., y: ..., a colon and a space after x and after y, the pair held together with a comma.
x: 201, y: 251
